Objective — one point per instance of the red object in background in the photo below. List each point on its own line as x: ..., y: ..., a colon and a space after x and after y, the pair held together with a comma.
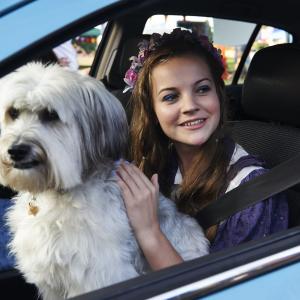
x: 225, y: 73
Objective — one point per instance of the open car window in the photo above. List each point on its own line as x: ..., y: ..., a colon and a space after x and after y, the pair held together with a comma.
x: 267, y: 36
x: 86, y: 45
x: 230, y: 36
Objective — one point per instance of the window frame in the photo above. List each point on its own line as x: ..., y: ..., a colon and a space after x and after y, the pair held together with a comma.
x: 195, y: 271
x: 248, y: 46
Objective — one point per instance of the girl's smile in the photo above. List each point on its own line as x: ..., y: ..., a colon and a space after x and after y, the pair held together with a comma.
x: 194, y: 123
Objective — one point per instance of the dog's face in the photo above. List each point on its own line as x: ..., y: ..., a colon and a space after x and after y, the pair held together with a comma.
x: 57, y: 126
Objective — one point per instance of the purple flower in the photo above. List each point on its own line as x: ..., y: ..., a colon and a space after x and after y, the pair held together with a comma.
x: 143, y: 54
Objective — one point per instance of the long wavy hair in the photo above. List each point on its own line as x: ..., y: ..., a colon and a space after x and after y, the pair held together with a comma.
x: 150, y: 147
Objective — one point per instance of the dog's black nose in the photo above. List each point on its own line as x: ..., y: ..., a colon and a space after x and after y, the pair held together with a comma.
x: 19, y: 152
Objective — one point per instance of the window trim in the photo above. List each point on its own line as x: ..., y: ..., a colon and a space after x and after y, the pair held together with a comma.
x: 245, y: 54
x: 198, y: 270
x: 235, y: 275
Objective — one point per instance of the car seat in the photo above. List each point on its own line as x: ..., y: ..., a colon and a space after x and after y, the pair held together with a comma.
x: 270, y: 100
x: 114, y: 81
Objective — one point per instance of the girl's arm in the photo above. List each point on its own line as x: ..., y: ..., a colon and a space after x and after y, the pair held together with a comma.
x: 141, y: 199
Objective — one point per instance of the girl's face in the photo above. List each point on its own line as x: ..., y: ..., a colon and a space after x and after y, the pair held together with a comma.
x: 185, y: 101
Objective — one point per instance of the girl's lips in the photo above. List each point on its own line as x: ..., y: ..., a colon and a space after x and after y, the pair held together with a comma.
x: 195, y: 124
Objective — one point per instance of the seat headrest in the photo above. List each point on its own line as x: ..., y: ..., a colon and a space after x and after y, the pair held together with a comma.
x: 272, y: 86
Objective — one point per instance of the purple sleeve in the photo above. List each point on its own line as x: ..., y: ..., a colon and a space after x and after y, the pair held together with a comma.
x: 257, y: 221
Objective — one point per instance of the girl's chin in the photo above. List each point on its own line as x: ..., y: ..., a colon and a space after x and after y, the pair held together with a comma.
x: 197, y: 141
x: 192, y: 143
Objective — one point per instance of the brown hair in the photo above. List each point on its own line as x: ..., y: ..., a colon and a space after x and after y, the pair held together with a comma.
x: 150, y: 146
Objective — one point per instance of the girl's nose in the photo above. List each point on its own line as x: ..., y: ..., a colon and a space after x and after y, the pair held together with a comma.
x: 189, y: 104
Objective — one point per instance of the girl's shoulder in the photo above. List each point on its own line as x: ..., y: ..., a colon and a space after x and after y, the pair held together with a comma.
x: 241, y: 165
x: 258, y: 220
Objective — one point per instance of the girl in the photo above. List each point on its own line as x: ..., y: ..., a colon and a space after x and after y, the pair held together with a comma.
x: 177, y: 135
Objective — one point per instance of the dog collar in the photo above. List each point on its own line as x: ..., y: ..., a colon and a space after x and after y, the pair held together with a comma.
x: 33, y: 209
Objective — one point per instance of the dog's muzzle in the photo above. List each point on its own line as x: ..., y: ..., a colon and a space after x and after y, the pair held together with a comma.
x: 22, y: 156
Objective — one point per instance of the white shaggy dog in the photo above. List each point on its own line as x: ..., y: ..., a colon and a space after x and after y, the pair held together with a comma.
x: 61, y: 134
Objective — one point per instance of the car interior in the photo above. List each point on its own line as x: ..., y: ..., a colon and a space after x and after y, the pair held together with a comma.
x: 263, y: 108
x: 269, y: 100
x: 265, y: 102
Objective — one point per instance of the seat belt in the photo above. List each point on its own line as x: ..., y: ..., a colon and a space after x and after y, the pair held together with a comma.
x: 276, y: 180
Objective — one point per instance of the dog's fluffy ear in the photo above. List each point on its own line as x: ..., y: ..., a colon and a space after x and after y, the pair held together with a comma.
x: 103, y: 126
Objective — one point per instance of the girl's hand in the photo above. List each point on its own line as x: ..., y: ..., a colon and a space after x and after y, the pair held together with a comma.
x: 140, y: 198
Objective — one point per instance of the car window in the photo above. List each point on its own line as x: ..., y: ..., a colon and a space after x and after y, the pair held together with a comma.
x: 230, y: 36
x: 267, y: 36
x: 86, y: 45
x: 78, y: 53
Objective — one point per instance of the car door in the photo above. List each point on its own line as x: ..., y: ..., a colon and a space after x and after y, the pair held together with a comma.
x: 215, y: 275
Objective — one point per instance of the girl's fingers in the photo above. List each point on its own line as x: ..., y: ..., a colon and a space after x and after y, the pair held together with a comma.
x: 128, y: 179
x: 142, y: 176
x: 154, y: 180
x: 139, y: 178
x: 124, y: 187
x: 133, y: 177
x: 140, y: 200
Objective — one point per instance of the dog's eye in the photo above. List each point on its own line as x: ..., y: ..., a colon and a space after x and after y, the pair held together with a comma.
x: 13, y: 113
x: 48, y: 115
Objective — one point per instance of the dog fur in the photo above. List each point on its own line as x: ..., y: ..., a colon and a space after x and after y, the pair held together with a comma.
x: 61, y: 135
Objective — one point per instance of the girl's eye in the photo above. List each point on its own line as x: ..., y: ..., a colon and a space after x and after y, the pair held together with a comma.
x: 169, y: 97
x: 203, y: 89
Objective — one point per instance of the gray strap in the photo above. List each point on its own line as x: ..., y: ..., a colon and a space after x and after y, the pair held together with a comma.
x: 278, y: 179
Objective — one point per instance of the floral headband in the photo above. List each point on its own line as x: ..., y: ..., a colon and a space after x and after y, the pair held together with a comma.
x: 146, y: 47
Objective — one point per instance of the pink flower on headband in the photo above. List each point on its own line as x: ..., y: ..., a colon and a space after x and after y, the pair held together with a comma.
x: 130, y: 78
x: 137, y: 62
